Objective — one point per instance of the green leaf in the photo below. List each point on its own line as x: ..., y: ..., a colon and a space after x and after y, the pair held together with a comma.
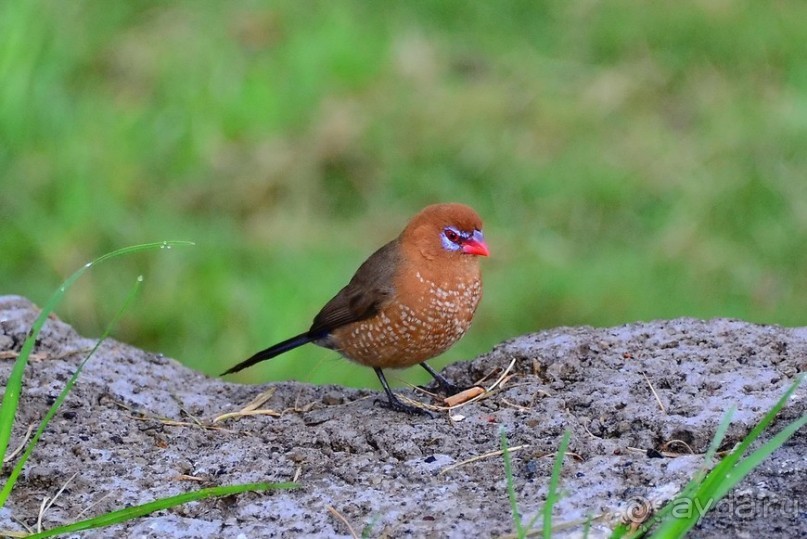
x: 12, y: 478
x: 123, y: 515
x: 11, y: 396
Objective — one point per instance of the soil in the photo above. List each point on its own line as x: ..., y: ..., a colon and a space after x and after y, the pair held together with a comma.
x: 138, y: 426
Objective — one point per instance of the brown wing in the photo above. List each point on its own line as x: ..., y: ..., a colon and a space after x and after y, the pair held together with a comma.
x: 369, y: 289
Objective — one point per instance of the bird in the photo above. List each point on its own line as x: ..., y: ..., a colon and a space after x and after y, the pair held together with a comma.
x: 409, y: 302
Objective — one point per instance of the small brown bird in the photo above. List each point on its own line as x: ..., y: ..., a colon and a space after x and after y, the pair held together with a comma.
x: 409, y: 302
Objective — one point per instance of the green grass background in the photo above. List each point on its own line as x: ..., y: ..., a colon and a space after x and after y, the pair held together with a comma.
x: 631, y: 160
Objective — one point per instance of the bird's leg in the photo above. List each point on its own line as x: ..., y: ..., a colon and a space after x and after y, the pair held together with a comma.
x: 394, y: 403
x: 448, y: 387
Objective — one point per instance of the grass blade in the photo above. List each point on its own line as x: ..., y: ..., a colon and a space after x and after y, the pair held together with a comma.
x: 552, y: 496
x: 511, y: 487
x: 717, y: 439
x: 729, y: 471
x: 11, y: 396
x: 123, y: 515
x: 12, y: 478
x: 755, y: 459
x: 688, y: 492
x: 705, y: 490
x: 734, y: 456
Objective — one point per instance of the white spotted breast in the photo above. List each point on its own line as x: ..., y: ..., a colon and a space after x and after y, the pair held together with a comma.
x: 425, y: 318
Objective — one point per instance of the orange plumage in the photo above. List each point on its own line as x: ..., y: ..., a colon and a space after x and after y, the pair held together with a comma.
x: 409, y: 302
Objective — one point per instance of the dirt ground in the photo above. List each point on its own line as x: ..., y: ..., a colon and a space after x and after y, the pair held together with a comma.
x: 390, y: 474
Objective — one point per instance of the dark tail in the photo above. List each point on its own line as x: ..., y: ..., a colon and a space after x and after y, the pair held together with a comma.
x: 272, y: 351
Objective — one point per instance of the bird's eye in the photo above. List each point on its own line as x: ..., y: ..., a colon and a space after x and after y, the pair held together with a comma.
x: 451, y: 235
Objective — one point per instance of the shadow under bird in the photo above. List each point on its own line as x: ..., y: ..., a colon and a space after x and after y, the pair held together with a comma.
x: 409, y: 302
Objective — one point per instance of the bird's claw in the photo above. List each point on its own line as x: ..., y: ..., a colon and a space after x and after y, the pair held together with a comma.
x: 398, y: 406
x: 446, y: 388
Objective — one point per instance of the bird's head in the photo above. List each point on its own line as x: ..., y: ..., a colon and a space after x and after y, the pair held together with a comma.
x: 445, y: 230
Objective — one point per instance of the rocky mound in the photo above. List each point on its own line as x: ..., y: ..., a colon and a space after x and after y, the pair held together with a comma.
x: 642, y: 402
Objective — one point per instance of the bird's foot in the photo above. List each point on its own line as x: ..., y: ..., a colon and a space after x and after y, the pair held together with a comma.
x: 451, y: 388
x: 398, y: 406
x: 446, y: 387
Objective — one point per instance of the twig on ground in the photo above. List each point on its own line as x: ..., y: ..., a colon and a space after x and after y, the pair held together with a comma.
x: 93, y: 504
x: 678, y: 442
x: 47, y: 503
x: 184, y: 410
x: 339, y: 516
x: 481, y: 457
x: 463, y: 396
x: 19, y: 449
x: 658, y: 400
x: 251, y: 408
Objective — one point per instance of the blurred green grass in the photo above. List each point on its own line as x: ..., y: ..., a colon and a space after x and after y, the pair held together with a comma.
x: 631, y: 161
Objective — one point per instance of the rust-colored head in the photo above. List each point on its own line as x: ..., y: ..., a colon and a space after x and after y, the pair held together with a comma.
x: 445, y: 232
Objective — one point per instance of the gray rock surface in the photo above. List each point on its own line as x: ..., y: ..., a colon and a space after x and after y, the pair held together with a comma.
x: 138, y: 426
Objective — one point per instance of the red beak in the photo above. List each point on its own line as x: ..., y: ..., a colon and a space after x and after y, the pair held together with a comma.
x: 476, y: 245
